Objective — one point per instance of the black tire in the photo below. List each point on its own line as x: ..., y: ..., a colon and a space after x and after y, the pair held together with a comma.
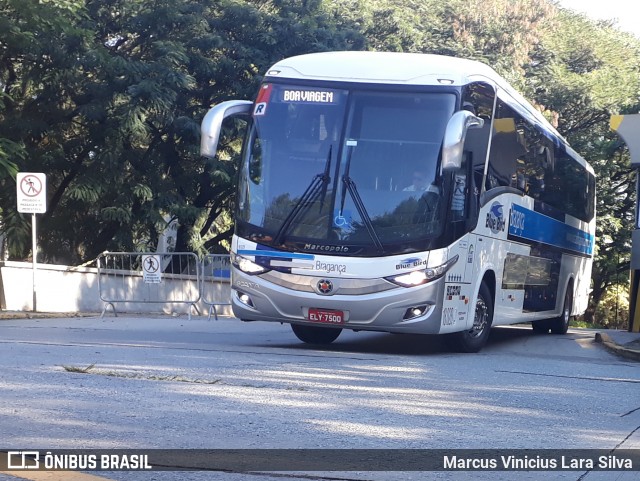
x: 474, y: 339
x: 560, y: 324
x: 315, y: 335
x: 540, y: 327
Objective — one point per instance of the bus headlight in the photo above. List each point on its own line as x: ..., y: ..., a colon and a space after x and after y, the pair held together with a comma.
x: 417, y: 278
x: 245, y: 265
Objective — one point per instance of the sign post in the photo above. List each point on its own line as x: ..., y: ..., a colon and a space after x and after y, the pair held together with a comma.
x: 31, y: 189
x: 628, y: 127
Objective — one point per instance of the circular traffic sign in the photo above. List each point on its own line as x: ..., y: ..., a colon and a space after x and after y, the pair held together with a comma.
x: 150, y: 265
x: 31, y: 186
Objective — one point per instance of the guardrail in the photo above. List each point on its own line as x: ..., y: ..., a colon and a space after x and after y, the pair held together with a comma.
x: 216, y: 271
x: 149, y: 277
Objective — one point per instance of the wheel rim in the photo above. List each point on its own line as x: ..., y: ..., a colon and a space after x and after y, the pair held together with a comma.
x: 566, y: 312
x: 480, y: 319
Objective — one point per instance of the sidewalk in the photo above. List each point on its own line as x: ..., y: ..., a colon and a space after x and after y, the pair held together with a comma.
x: 42, y: 315
x: 623, y: 343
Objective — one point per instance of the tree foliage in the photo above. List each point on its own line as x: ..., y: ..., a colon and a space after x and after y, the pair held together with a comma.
x: 106, y: 97
x: 594, y: 72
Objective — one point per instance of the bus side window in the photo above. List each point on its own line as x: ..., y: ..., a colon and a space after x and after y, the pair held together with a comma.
x: 458, y: 198
x: 539, y: 163
x: 506, y: 149
x: 509, y: 149
x: 476, y: 144
x: 479, y: 98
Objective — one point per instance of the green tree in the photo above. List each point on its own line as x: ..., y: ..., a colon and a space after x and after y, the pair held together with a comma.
x: 591, y: 71
x: 107, y: 99
x: 38, y: 45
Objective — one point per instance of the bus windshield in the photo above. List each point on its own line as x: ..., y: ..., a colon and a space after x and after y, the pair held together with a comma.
x: 358, y: 169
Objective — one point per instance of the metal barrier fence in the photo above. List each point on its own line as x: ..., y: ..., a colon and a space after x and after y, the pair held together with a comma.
x: 216, y: 272
x: 149, y: 277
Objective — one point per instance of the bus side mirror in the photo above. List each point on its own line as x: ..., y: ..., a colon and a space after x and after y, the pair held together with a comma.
x: 212, y: 123
x: 454, y: 136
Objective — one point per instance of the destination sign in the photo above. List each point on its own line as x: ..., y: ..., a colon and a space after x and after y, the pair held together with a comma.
x: 309, y: 96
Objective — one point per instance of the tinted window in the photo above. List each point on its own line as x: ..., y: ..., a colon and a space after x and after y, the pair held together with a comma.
x: 523, y: 156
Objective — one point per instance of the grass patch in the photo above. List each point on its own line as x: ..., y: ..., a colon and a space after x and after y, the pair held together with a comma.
x: 584, y: 324
x: 81, y: 370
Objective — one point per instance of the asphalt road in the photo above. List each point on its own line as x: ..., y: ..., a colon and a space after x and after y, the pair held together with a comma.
x: 145, y: 383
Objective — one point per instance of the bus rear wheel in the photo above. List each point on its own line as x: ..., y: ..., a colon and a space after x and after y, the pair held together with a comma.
x: 474, y: 339
x: 560, y: 324
x: 315, y: 335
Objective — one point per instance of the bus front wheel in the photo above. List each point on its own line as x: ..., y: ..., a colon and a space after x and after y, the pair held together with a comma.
x: 474, y: 339
x: 315, y: 335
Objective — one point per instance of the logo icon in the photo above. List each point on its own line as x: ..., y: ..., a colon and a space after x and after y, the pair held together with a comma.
x: 411, y: 260
x: 495, y: 218
x: 325, y: 286
x: 23, y: 459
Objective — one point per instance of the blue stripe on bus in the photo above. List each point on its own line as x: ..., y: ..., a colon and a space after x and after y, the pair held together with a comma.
x: 223, y: 273
x: 278, y: 254
x: 533, y: 226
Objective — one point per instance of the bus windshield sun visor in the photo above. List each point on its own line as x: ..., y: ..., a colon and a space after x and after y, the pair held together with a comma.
x: 317, y: 188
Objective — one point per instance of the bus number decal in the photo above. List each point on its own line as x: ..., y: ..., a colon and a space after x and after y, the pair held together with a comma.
x: 516, y: 220
x: 453, y: 291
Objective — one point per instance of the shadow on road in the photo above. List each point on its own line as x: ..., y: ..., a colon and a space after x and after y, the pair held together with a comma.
x: 406, y: 344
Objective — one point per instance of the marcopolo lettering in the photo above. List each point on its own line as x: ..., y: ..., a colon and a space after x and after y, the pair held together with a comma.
x: 326, y: 248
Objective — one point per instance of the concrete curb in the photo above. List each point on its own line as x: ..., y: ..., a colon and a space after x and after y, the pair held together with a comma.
x: 42, y: 315
x: 621, y: 350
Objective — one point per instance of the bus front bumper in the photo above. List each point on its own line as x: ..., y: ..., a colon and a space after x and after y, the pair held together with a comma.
x: 398, y: 309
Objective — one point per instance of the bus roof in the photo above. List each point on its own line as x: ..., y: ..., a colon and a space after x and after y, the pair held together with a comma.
x: 402, y: 69
x: 398, y: 68
x: 382, y: 67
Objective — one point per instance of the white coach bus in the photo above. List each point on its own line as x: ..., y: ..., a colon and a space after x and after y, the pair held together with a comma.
x: 404, y: 193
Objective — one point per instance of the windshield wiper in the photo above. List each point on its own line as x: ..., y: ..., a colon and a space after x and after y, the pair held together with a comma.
x: 317, y: 187
x: 349, y: 185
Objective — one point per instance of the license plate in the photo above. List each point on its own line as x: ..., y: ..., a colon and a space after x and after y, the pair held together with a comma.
x: 326, y: 316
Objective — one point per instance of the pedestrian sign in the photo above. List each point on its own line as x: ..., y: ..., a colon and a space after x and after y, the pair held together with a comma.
x: 31, y: 189
x: 151, y: 272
